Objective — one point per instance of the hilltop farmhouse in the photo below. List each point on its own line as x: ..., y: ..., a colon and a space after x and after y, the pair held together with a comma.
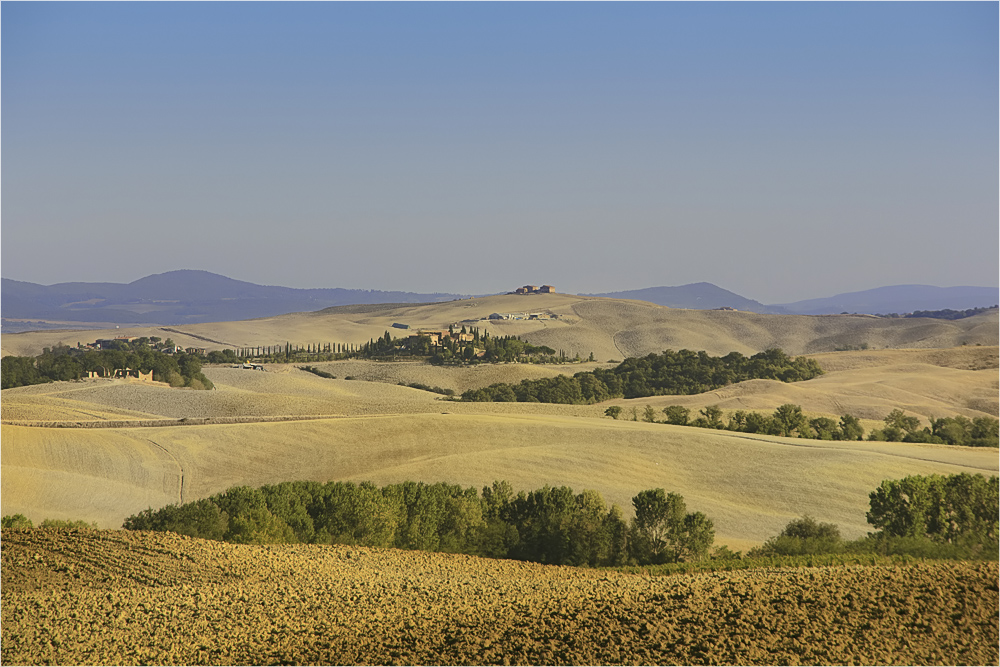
x: 532, y: 289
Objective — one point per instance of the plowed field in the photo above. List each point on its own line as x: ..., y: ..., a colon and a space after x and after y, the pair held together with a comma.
x: 113, y: 597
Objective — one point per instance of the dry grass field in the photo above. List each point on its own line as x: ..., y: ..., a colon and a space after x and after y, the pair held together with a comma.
x: 371, y: 428
x: 610, y: 328
x: 103, y: 597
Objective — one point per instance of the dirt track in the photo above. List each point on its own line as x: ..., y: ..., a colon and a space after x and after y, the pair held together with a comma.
x: 112, y: 597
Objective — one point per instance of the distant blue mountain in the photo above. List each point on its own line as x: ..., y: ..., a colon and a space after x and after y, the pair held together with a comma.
x: 180, y: 297
x: 898, y: 299
x: 697, y: 296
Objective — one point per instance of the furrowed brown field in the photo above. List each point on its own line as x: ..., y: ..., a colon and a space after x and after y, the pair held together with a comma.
x: 113, y: 597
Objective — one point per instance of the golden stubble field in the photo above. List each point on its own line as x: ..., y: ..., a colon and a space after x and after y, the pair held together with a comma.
x: 371, y: 429
x: 114, y: 597
x: 610, y: 328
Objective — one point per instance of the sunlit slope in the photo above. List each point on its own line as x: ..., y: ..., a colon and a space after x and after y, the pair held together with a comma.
x: 924, y: 383
x: 608, y: 328
x: 750, y: 486
x: 923, y: 390
x: 380, y: 431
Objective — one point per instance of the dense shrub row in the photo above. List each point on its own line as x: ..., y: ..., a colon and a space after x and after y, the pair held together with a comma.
x: 916, y: 517
x: 19, y: 521
x: 788, y: 420
x: 669, y: 373
x: 977, y: 432
x: 549, y: 525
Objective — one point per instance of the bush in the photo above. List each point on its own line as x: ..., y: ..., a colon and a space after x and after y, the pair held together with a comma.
x: 16, y: 521
x: 802, y: 537
x: 68, y: 524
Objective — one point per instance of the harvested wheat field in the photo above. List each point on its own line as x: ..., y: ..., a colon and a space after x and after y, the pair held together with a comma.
x: 114, y: 597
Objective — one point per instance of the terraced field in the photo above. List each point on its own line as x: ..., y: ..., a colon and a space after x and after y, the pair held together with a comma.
x: 113, y: 597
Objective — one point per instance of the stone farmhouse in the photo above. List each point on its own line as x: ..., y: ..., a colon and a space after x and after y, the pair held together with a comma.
x: 532, y: 289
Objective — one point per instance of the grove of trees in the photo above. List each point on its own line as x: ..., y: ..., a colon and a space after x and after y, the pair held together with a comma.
x: 668, y: 373
x: 72, y: 363
x: 788, y: 420
x: 549, y: 525
x: 953, y: 516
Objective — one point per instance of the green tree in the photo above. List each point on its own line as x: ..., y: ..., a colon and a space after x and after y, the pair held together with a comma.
x: 649, y: 414
x: 790, y: 419
x: 899, y: 421
x: 946, y: 509
x: 713, y: 416
x: 850, y: 428
x: 250, y: 521
x: 663, y: 531
x: 613, y: 411
x: 825, y: 428
x: 677, y: 415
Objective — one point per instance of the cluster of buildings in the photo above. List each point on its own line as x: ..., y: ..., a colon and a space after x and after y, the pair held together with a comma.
x: 532, y: 289
x: 521, y: 316
x: 440, y: 337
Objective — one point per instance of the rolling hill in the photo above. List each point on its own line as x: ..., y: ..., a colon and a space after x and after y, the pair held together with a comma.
x: 701, y: 296
x: 372, y: 429
x: 137, y: 446
x: 610, y: 328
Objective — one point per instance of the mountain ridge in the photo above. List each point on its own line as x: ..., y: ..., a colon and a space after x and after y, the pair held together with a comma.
x: 897, y: 299
x: 189, y: 296
x: 699, y: 296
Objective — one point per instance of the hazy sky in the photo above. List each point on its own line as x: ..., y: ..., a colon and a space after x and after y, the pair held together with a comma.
x: 781, y: 150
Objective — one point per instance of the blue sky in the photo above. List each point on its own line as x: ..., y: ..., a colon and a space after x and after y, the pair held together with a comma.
x: 780, y: 150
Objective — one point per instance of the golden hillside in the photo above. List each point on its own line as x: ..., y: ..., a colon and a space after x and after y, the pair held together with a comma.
x: 372, y: 429
x: 610, y: 328
x: 286, y: 424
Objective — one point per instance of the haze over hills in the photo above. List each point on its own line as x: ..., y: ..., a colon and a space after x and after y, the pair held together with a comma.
x: 897, y: 299
x: 193, y: 297
x: 178, y: 297
x: 700, y: 296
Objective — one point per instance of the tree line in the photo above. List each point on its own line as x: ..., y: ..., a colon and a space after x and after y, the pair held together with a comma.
x: 788, y: 420
x: 549, y: 525
x: 482, y: 348
x: 943, y: 314
x: 930, y: 516
x: 668, y: 373
x: 62, y: 362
